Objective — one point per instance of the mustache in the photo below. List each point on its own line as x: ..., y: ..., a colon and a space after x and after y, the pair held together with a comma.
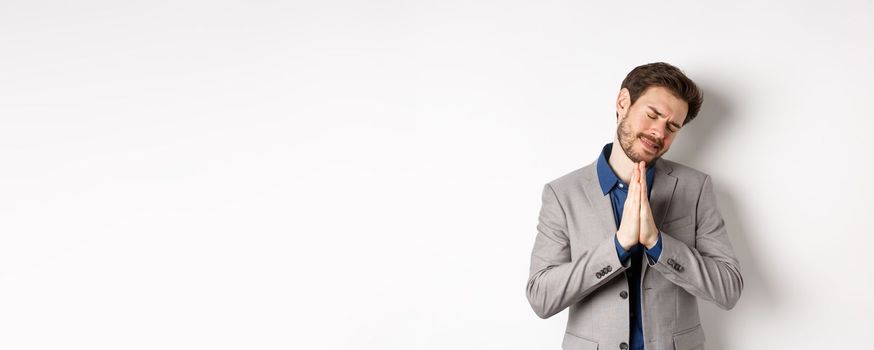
x: 654, y: 140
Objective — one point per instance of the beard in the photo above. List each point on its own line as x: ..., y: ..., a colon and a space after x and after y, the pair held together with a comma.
x: 627, y: 137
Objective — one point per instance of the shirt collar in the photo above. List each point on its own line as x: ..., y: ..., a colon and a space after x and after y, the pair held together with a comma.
x: 608, y: 179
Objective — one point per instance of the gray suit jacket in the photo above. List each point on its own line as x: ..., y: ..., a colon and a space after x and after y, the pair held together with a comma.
x: 574, y: 261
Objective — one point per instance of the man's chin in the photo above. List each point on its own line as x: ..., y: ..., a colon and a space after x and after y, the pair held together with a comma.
x: 649, y: 158
x: 641, y: 153
x: 652, y: 159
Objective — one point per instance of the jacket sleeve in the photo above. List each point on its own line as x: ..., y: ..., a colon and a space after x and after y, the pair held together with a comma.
x: 709, y: 270
x: 556, y: 279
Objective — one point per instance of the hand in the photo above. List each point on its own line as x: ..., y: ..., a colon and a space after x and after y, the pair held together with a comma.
x: 649, y: 234
x: 628, y: 234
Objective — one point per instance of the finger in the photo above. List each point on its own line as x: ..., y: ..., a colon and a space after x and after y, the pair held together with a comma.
x: 638, y: 172
x: 645, y: 210
x: 644, y: 200
x: 634, y: 189
x: 643, y: 177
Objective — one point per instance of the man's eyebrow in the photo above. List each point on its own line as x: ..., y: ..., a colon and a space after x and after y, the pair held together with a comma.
x: 660, y: 115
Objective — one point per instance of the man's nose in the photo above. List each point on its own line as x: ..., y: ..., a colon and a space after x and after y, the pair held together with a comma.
x: 658, y: 132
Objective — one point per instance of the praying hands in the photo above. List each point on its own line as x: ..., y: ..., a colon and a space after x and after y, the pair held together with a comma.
x: 637, y: 224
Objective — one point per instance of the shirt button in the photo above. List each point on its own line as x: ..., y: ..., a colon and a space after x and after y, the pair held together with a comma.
x: 623, y: 346
x: 621, y: 185
x: 623, y: 294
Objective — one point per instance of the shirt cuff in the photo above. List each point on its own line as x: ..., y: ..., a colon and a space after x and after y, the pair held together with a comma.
x: 655, y: 252
x: 623, y: 255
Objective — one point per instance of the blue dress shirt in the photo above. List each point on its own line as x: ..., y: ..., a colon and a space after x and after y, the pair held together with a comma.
x: 618, y: 191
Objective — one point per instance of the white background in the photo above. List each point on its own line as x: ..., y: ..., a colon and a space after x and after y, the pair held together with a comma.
x: 367, y: 174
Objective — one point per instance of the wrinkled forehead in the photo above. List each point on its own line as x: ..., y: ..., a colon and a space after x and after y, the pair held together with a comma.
x: 662, y: 102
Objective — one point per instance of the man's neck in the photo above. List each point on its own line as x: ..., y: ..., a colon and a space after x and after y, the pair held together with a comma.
x: 620, y: 163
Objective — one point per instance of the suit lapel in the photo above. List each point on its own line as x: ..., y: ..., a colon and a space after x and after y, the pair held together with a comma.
x: 662, y: 192
x: 660, y: 198
x: 600, y: 203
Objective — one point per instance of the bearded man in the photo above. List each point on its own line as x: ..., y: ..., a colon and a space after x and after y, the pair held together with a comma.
x: 630, y: 242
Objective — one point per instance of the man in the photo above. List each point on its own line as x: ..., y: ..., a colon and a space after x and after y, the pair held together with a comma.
x: 598, y: 223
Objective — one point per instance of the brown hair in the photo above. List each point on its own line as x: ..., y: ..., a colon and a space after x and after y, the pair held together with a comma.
x: 665, y: 75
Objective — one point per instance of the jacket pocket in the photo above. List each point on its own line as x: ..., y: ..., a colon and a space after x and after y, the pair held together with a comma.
x: 572, y: 342
x: 689, y: 339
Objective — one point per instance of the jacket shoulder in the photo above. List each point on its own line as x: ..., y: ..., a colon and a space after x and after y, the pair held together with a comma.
x: 681, y: 170
x: 573, y: 178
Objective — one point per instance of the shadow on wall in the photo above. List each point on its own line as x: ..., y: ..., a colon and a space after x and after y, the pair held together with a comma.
x: 757, y: 294
x: 695, y: 142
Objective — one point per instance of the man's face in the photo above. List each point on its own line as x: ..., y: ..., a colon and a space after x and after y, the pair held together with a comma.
x: 648, y: 127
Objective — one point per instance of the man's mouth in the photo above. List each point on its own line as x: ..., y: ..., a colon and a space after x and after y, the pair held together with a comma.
x: 653, y: 145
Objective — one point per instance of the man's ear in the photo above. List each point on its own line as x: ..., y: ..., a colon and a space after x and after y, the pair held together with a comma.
x: 623, y: 102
